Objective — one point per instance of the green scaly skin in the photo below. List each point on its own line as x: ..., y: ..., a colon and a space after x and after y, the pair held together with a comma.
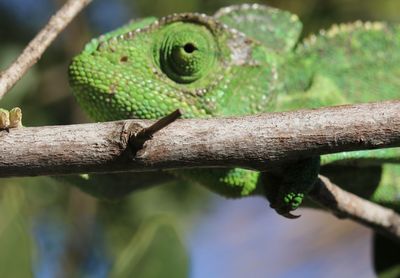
x: 245, y: 60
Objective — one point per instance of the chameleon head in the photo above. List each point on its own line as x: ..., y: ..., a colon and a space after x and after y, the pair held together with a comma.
x: 151, y: 67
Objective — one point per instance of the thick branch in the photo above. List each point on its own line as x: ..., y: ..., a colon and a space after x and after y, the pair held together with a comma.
x: 39, y: 44
x: 255, y: 142
x: 347, y: 205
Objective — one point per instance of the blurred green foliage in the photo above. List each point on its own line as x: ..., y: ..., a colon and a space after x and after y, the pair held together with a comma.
x: 142, y: 234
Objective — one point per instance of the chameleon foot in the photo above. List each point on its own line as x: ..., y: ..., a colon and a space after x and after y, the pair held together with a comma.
x: 10, y: 119
x: 286, y: 188
x: 290, y: 202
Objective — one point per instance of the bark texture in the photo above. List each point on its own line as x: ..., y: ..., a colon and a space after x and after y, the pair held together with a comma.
x: 255, y: 142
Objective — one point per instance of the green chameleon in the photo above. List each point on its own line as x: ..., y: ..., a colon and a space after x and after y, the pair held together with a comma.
x: 244, y: 60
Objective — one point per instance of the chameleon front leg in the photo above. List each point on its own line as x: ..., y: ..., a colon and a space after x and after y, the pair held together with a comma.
x: 286, y: 187
x: 371, y: 174
x: 284, y: 190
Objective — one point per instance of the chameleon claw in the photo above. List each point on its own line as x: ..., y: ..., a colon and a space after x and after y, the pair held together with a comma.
x: 284, y: 212
x: 289, y: 215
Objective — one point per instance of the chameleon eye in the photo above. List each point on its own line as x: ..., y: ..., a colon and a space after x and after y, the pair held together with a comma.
x: 186, y: 51
x: 189, y: 47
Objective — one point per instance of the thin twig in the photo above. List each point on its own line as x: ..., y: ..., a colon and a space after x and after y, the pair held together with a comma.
x: 39, y: 44
x: 137, y: 141
x: 347, y: 205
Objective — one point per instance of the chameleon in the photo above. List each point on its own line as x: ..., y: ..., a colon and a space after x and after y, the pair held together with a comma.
x: 243, y: 60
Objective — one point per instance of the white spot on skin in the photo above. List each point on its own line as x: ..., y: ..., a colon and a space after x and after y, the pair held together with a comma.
x: 338, y: 29
x: 240, y: 50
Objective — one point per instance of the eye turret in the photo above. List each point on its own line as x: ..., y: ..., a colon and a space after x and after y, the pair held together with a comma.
x: 186, y: 51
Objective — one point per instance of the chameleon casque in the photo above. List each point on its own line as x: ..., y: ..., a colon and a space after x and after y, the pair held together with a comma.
x: 243, y: 60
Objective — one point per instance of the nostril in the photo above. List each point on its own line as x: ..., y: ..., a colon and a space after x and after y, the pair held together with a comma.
x: 123, y: 59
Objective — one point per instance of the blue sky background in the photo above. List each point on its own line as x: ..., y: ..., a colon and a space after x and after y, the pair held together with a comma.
x: 243, y: 238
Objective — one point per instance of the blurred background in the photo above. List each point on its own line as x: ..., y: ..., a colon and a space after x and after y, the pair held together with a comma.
x: 48, y: 229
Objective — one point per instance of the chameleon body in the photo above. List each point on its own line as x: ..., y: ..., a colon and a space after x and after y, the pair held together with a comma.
x: 244, y: 60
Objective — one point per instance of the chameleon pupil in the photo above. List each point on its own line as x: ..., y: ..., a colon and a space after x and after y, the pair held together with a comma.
x: 189, y: 48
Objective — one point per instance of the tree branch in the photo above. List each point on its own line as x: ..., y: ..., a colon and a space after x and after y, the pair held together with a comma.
x: 347, y: 205
x: 39, y: 44
x: 255, y: 142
